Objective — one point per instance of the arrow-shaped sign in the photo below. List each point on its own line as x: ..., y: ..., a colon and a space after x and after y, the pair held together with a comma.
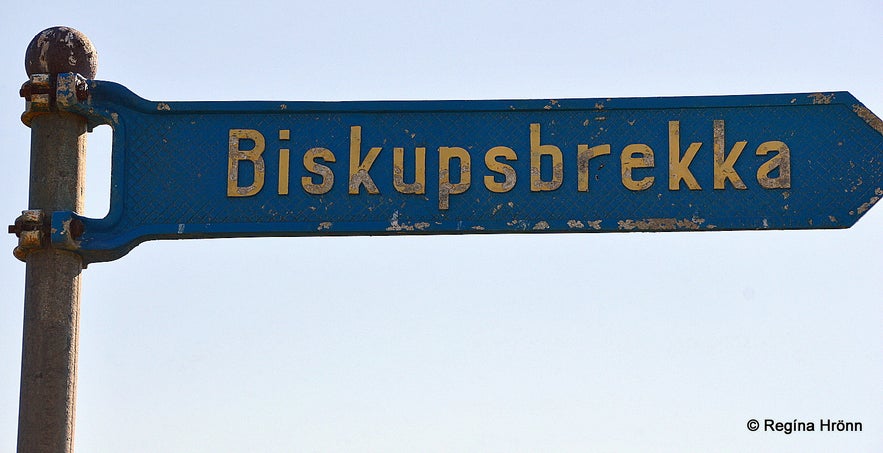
x: 234, y: 169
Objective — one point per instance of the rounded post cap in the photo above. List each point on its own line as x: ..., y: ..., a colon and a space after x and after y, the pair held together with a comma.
x: 58, y: 50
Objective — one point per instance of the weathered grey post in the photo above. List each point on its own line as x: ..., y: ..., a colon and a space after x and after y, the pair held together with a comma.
x: 52, y: 287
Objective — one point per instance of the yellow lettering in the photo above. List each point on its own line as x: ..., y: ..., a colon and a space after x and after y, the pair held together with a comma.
x: 636, y: 156
x: 724, y: 165
x: 509, y: 177
x: 679, y: 169
x: 236, y: 155
x: 781, y: 161
x: 398, y: 171
x: 310, y: 164
x: 445, y: 187
x: 284, y: 156
x: 536, y: 152
x: 359, y: 169
x: 583, y: 155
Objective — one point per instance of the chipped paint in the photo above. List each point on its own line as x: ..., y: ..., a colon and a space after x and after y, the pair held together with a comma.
x: 537, y: 183
x: 864, y: 207
x: 580, y: 225
x: 67, y: 237
x: 541, y: 225
x: 500, y: 206
x: 858, y: 183
x: 394, y: 224
x: 661, y: 224
x: 820, y: 98
x: 518, y: 224
x: 324, y: 226
x: 873, y: 120
x: 162, y: 106
x: 180, y: 228
x: 398, y: 171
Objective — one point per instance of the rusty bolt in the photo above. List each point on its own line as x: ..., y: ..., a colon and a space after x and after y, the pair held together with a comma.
x: 82, y: 91
x: 30, y: 220
x: 58, y: 50
x: 38, y: 84
x: 30, y: 230
x: 77, y: 228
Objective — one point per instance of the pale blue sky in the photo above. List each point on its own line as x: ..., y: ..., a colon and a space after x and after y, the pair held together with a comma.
x: 606, y: 342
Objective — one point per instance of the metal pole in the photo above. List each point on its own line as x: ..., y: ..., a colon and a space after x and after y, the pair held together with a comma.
x: 47, y: 401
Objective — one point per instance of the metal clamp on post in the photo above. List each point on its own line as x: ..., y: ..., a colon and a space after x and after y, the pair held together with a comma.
x: 35, y: 228
x: 44, y: 93
x: 65, y: 230
x: 31, y: 229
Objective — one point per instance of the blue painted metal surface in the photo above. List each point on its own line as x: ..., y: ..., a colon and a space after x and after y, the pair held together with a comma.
x: 171, y: 173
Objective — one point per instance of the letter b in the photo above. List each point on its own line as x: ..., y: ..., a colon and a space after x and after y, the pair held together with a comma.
x: 236, y: 155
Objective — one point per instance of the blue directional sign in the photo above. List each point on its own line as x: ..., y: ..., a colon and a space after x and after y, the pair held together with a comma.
x: 236, y: 169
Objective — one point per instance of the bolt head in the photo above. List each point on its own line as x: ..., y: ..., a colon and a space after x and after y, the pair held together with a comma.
x: 58, y: 50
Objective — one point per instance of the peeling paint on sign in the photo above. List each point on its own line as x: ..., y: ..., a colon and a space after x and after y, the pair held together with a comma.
x: 661, y: 224
x: 869, y: 117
